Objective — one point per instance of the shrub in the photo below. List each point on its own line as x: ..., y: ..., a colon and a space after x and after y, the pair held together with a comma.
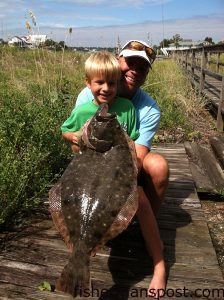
x: 32, y: 109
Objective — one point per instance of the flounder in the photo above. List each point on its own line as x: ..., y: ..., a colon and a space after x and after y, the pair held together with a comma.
x: 96, y: 197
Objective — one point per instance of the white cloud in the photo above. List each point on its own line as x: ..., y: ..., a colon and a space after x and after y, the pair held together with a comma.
x: 191, y: 28
x: 114, y: 3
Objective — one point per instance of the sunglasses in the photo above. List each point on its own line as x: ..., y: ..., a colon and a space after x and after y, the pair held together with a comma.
x: 134, y: 45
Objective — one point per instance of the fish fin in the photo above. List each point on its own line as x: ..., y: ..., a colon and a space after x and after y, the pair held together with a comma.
x: 75, y: 277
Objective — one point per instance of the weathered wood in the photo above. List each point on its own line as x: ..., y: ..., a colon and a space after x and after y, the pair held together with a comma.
x: 210, y: 84
x: 206, y: 171
x: 213, y: 74
x: 122, y: 267
x: 212, y: 168
x: 217, y: 144
x: 202, y: 181
x: 220, y: 107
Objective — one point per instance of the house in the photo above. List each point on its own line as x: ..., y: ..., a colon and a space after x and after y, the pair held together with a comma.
x: 30, y: 41
x: 182, y: 45
x: 19, y: 41
x: 36, y: 39
x: 185, y: 44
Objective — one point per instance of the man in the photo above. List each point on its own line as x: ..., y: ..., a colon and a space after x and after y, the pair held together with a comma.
x: 136, y: 59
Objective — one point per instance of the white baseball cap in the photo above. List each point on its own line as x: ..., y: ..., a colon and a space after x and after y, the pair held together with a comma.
x: 140, y: 49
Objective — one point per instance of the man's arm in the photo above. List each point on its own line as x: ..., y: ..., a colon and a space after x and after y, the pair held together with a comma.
x: 84, y: 96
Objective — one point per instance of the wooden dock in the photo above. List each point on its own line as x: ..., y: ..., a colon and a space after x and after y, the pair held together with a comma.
x: 211, y: 91
x: 122, y: 269
x: 199, y: 63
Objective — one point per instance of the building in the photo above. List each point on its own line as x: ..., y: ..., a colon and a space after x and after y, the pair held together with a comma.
x: 182, y: 45
x: 19, y: 41
x: 30, y: 41
x: 36, y: 39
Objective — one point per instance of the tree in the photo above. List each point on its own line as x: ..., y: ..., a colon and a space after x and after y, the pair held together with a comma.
x: 2, y: 42
x: 49, y: 43
x: 165, y: 43
x: 62, y: 45
x: 209, y: 40
x: 176, y: 39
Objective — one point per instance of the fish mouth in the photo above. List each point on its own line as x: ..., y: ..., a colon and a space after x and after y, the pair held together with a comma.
x: 95, y: 134
x: 102, y: 113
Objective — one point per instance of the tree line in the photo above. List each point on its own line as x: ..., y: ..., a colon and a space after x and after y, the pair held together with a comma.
x: 61, y: 45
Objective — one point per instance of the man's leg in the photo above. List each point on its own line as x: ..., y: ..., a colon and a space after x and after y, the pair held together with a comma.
x: 151, y: 235
x: 155, y: 179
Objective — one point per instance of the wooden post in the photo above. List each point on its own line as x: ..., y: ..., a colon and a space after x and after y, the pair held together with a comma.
x: 186, y: 56
x: 221, y: 106
x: 202, y: 77
x: 192, y: 66
x: 183, y: 60
x: 208, y: 61
x: 217, y: 62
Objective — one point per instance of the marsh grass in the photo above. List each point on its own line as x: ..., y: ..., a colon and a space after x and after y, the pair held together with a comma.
x: 213, y: 61
x: 176, y: 98
x: 37, y: 93
x: 34, y: 101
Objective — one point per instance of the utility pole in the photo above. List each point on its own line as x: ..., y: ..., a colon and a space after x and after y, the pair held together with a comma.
x: 118, y: 45
x: 162, y: 21
x: 148, y: 38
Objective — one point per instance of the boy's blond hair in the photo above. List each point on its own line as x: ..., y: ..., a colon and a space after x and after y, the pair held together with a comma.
x: 102, y: 64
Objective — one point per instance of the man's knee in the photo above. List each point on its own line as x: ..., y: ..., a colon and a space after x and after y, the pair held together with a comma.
x: 156, y: 165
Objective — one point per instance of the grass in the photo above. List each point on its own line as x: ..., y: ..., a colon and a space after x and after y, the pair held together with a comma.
x: 213, y: 61
x: 178, y: 101
x: 38, y: 89
x: 34, y: 101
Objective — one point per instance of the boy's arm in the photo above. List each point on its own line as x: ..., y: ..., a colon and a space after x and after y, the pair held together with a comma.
x: 70, y: 130
x: 73, y: 138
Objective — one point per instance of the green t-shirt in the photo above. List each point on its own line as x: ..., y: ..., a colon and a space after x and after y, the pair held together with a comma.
x: 124, y: 109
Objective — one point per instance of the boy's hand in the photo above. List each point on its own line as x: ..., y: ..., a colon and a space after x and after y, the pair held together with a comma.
x: 73, y: 138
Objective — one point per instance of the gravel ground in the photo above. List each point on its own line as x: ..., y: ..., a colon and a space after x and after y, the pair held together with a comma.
x: 214, y: 214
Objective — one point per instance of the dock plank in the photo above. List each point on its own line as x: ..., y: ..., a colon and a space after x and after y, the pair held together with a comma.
x: 122, y: 268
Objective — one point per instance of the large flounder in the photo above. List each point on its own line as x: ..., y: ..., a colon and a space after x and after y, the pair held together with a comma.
x: 97, y: 195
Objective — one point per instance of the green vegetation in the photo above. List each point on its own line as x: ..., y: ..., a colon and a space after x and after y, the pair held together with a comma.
x: 37, y: 93
x: 177, y: 100
x: 213, y: 63
x: 38, y: 89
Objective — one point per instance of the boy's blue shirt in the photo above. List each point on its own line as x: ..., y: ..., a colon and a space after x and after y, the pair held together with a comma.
x: 147, y: 113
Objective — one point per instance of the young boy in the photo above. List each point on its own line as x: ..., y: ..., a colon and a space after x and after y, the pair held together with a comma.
x: 102, y: 75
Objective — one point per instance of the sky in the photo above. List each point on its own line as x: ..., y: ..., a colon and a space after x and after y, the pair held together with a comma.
x: 101, y: 22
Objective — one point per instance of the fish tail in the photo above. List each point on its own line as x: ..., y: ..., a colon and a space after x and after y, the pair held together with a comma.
x: 75, y: 277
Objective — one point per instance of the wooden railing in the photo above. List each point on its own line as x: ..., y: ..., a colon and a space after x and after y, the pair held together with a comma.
x: 206, y: 70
